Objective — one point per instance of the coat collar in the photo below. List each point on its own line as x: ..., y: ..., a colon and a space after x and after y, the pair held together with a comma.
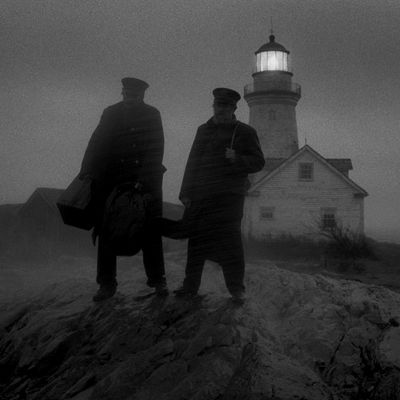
x: 213, y: 124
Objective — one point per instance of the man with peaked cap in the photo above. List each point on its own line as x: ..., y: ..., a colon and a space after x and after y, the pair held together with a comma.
x: 214, y: 185
x: 127, y: 145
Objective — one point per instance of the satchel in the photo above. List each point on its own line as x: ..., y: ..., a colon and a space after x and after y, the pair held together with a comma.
x: 124, y: 220
x: 76, y: 204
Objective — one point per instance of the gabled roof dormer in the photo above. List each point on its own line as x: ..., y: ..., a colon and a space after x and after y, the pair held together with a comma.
x: 339, y: 167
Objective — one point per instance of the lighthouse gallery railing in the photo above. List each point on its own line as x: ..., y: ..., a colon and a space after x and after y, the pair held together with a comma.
x: 272, y: 86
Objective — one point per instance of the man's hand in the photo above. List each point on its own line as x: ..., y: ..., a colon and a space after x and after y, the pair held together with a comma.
x: 186, y: 202
x: 139, y: 186
x: 84, y: 175
x: 230, y: 154
x: 148, y: 198
x: 94, y: 235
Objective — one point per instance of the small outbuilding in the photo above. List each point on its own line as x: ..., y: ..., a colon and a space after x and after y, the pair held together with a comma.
x: 39, y: 229
x: 42, y: 231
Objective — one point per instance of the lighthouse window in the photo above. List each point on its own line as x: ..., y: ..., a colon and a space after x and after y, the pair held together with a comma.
x: 272, y: 115
x: 306, y: 171
x: 267, y: 213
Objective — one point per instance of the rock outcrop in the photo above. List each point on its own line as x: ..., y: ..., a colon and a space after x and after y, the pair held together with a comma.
x: 298, y: 336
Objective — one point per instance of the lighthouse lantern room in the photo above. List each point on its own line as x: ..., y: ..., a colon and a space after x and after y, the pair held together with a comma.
x: 272, y: 56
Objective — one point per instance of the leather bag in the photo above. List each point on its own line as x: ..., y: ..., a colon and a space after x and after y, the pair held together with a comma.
x: 76, y: 204
x: 124, y: 221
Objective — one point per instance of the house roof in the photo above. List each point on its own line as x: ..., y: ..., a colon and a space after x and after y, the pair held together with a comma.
x: 49, y: 196
x: 272, y: 163
x: 8, y: 212
x: 9, y: 208
x: 336, y: 165
x: 342, y: 164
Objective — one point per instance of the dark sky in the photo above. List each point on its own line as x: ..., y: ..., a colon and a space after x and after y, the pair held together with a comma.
x: 62, y: 61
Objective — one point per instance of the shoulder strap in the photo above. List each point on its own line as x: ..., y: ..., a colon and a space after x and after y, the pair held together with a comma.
x: 234, y: 134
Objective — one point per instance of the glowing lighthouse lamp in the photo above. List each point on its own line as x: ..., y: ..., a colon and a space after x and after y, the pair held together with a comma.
x: 272, y: 56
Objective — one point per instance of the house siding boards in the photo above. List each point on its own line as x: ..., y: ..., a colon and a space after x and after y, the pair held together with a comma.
x: 297, y: 204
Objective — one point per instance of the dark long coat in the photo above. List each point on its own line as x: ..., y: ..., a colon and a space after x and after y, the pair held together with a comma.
x: 127, y: 145
x: 216, y: 187
x: 208, y: 173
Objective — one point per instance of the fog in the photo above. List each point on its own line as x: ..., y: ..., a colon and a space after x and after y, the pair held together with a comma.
x: 62, y: 63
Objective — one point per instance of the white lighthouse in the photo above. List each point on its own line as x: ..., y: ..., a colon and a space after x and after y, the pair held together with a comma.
x: 299, y: 192
x: 272, y: 99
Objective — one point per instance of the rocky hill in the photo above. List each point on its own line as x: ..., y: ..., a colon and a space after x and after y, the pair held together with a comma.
x: 298, y: 336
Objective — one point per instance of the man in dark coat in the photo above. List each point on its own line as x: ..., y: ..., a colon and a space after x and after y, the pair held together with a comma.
x: 127, y: 146
x: 214, y: 185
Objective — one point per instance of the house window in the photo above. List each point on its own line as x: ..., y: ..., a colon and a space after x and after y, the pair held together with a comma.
x: 267, y: 213
x: 328, y: 218
x: 306, y: 171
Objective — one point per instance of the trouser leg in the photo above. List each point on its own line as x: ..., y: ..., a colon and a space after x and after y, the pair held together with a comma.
x: 194, y: 265
x: 106, y: 265
x: 153, y: 258
x: 152, y: 248
x: 233, y: 265
x: 231, y: 255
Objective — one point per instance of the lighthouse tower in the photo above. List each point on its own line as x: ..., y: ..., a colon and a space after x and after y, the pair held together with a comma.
x: 272, y: 99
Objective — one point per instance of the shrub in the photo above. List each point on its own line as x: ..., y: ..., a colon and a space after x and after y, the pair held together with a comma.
x: 284, y: 247
x: 343, y: 242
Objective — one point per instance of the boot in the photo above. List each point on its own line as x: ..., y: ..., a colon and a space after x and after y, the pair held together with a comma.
x: 161, y: 289
x: 184, y: 292
x: 105, y: 292
x: 238, y: 298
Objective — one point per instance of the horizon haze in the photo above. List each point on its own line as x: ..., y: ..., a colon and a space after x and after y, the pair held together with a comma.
x: 62, y: 63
